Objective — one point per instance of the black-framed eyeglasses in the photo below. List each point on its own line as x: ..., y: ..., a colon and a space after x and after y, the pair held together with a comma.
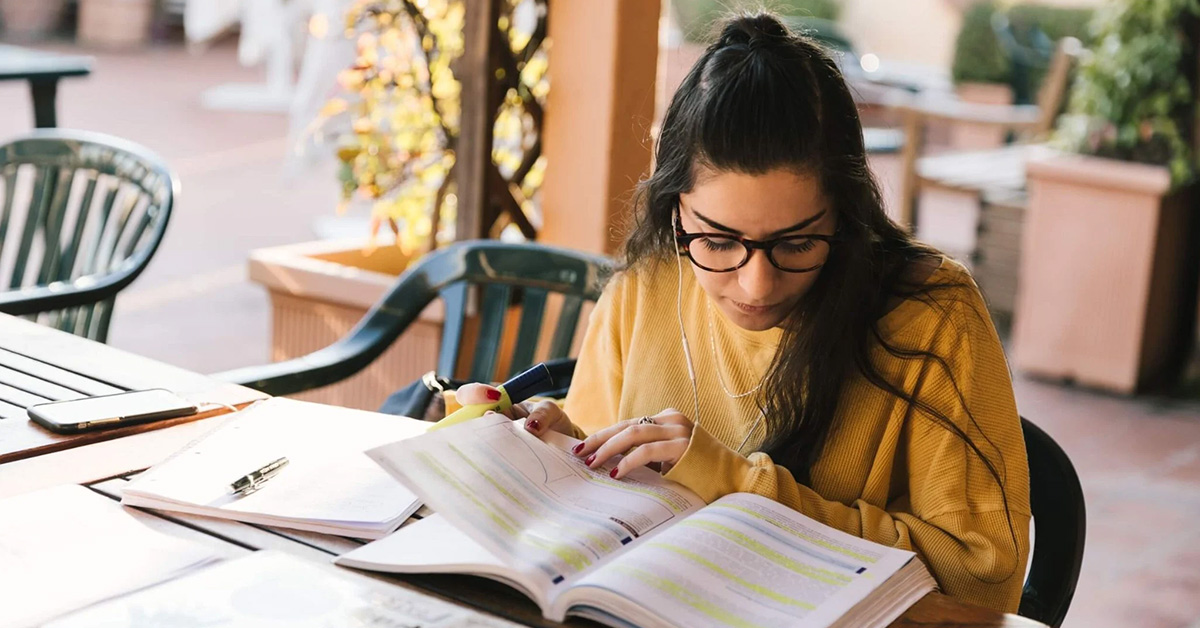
x: 724, y: 252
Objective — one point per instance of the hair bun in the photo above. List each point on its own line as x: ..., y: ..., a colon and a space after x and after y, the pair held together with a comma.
x: 753, y: 31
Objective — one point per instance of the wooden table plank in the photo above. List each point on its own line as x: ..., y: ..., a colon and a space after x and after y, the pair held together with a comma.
x: 105, y: 459
x: 86, y: 366
x: 46, y: 388
x: 17, y: 397
x: 125, y: 370
x: 51, y: 373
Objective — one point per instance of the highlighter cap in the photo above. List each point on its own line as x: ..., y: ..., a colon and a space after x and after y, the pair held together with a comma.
x: 529, y: 383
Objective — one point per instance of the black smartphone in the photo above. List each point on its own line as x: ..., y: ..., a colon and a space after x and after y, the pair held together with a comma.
x: 108, y: 411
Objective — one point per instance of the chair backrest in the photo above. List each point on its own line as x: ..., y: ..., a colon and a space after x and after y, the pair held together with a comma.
x: 1059, y: 524
x: 1056, y: 83
x: 78, y: 206
x: 512, y: 288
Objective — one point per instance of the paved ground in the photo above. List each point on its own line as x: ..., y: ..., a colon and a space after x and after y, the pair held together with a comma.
x: 1139, y: 458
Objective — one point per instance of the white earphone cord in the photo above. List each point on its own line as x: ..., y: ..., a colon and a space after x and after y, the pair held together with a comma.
x: 687, y: 353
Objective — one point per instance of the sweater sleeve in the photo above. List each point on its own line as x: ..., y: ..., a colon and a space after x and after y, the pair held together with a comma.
x: 953, y: 515
x: 595, y: 393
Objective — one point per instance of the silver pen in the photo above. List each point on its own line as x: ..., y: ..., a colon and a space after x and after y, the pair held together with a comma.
x: 255, y: 479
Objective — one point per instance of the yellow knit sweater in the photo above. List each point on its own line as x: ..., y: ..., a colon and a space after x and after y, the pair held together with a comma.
x: 888, y: 473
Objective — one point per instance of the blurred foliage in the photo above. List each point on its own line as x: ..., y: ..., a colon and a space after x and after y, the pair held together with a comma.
x: 980, y: 55
x: 1055, y: 22
x: 398, y: 112
x: 1133, y: 99
x: 697, y: 18
x: 822, y: 31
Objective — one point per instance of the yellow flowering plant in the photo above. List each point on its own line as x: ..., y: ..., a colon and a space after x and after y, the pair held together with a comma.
x: 401, y: 100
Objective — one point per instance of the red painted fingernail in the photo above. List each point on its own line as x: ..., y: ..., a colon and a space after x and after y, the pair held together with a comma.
x: 578, y: 448
x: 613, y: 474
x: 494, y: 395
x: 534, y: 425
x: 589, y: 460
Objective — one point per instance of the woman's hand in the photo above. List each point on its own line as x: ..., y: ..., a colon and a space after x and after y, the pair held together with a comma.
x: 539, y: 417
x: 660, y: 439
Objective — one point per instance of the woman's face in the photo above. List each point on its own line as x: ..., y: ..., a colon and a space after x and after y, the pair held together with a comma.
x: 779, y: 203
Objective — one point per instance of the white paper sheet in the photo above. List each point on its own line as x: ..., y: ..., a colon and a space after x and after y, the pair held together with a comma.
x: 64, y: 547
x: 273, y: 590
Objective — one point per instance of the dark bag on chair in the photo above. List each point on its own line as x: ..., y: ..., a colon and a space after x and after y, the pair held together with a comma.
x: 423, y: 398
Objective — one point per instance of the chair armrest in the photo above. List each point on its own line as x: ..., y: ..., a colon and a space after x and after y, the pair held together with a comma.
x: 58, y: 295
x: 382, y: 324
x: 332, y: 364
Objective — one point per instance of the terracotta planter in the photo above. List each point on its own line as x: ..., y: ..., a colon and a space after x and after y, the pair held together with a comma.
x: 319, y: 290
x: 1103, y: 298
x: 30, y: 19
x: 115, y: 23
x: 966, y: 136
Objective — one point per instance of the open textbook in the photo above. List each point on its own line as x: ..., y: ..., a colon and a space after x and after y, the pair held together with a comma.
x: 641, y: 551
x: 328, y: 484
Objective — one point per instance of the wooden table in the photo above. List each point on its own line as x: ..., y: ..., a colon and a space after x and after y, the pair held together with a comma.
x: 105, y: 465
x: 42, y: 70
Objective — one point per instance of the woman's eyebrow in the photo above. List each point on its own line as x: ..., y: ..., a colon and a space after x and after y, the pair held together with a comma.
x: 796, y: 227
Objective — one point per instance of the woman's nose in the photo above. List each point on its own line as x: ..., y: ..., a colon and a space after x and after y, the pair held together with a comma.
x: 757, y: 278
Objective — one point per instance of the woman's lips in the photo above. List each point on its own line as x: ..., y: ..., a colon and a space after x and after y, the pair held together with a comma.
x: 753, y: 309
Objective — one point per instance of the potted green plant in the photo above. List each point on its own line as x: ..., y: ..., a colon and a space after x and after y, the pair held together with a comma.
x: 1107, y: 284
x: 980, y: 72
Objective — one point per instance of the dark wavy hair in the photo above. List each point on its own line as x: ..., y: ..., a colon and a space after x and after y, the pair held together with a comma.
x: 763, y: 98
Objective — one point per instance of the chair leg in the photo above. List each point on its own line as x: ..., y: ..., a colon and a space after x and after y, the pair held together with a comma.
x: 914, y: 139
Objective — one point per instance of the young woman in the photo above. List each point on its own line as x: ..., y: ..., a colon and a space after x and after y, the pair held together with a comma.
x: 772, y: 331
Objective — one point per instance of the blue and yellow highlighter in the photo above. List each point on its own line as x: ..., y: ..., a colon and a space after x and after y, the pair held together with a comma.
x: 532, y: 382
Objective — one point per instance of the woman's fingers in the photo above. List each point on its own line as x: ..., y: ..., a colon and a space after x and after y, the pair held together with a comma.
x: 545, y: 416
x: 667, y: 452
x: 593, y: 442
x: 471, y: 394
x: 630, y: 436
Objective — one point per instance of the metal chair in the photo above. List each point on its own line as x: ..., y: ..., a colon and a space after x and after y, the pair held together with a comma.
x: 507, y: 275
x: 1059, y: 523
x: 83, y: 213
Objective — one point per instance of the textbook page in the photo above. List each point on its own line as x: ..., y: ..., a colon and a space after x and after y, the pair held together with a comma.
x: 434, y: 545
x: 329, y: 485
x: 533, y: 504
x: 743, y: 561
x: 64, y: 547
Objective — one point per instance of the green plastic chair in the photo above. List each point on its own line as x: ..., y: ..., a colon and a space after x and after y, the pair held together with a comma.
x: 505, y: 274
x: 83, y: 213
